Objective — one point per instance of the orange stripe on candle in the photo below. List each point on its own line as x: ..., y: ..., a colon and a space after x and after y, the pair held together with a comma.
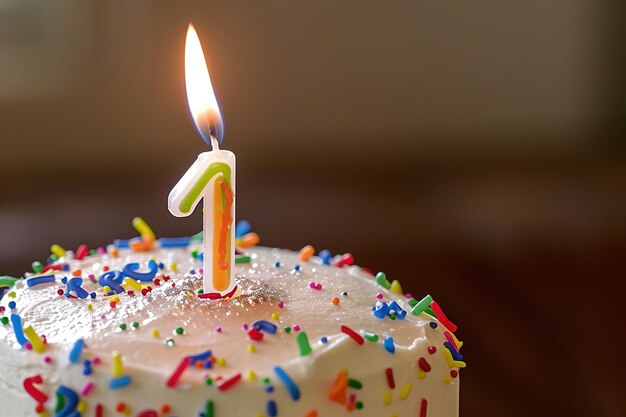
x: 222, y: 218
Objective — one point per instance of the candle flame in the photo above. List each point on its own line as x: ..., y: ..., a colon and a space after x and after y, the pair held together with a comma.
x: 200, y: 96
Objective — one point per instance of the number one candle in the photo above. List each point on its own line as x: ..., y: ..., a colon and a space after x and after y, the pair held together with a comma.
x: 211, y: 178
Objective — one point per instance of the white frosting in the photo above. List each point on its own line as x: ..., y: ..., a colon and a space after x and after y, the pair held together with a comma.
x: 150, y: 361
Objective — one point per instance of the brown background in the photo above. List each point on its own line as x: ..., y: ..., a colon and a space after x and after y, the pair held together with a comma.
x: 472, y: 150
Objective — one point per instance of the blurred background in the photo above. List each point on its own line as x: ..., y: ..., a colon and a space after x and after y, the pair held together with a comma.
x: 472, y: 149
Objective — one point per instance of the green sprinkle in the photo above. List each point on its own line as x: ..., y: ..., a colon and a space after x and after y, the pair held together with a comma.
x: 7, y: 281
x: 359, y: 404
x: 201, y: 291
x: 170, y: 342
x: 303, y: 343
x: 381, y: 279
x: 179, y: 330
x: 5, y: 320
x: 209, y: 409
x: 242, y: 259
x: 209, y: 381
x: 135, y: 324
x: 60, y: 403
x: 430, y: 311
x: 422, y: 305
x: 123, y: 326
x: 266, y: 380
x: 412, y: 302
x: 287, y: 329
x: 37, y: 267
x: 54, y: 258
x: 372, y: 337
x: 194, y: 254
x: 93, y: 252
x: 354, y: 383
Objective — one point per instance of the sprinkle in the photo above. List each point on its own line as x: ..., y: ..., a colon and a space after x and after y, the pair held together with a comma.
x: 173, y: 379
x: 242, y: 228
x: 424, y: 365
x: 251, y: 348
x: 255, y: 334
x: 248, y: 240
x: 174, y: 242
x: 86, y: 388
x: 143, y: 229
x: 179, y: 331
x: 42, y: 279
x: 57, y: 250
x: 303, y: 344
x: 389, y: 345
x: 432, y: 349
x: 122, y: 326
x: 275, y: 316
x: 312, y: 413
x: 7, y: 281
x: 271, y: 408
x: 455, y: 353
x: 372, y: 337
x: 81, y: 252
x: 400, y: 312
x: 4, y: 320
x: 131, y: 271
x: 391, y: 382
x: 229, y: 383
x: 324, y: 340
x: 76, y: 351
x: 156, y: 333
x: 250, y: 375
x: 442, y: 317
x: 345, y: 260
x: 335, y: 301
x: 405, y: 391
x: 421, y: 305
x: 380, y: 310
x: 67, y: 401
x: 338, y: 392
x: 354, y: 335
x: 118, y: 365
x: 99, y: 410
x: 294, y: 391
x: 306, y: 253
x: 242, y: 259
x: 265, y: 326
x: 12, y: 305
x: 37, y: 267
x: 296, y: 328
x: 277, y: 264
x: 450, y: 360
x: 132, y: 283
x: 37, y: 395
x: 381, y: 279
x: 387, y: 397
x: 396, y: 288
x: 121, y: 382
x: 359, y: 405
x: 325, y: 256
x: 34, y: 339
x: 423, y: 407
x: 433, y: 324
x: 353, y: 383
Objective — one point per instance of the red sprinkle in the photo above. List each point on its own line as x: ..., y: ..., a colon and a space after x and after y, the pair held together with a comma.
x: 424, y: 365
x: 99, y: 410
x: 454, y: 373
x: 37, y: 395
x: 442, y: 317
x: 229, y: 383
x: 81, y: 252
x: 57, y: 267
x: 432, y: 349
x: 173, y: 379
x: 345, y: 260
x: 423, y: 407
x: 390, y: 380
x: 354, y: 335
x: 148, y: 413
x: 254, y: 334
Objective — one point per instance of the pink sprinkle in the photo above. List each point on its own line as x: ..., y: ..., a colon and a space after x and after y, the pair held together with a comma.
x: 318, y: 287
x: 28, y: 346
x: 409, y: 295
x: 281, y: 304
x: 312, y: 285
x: 245, y: 326
x: 379, y: 296
x: 96, y: 360
x: 2, y: 308
x: 218, y: 329
x: 47, y: 359
x: 352, y: 398
x: 87, y: 388
x: 201, y: 271
x: 296, y: 328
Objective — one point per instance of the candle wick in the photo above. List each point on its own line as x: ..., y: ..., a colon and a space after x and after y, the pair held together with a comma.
x: 214, y: 143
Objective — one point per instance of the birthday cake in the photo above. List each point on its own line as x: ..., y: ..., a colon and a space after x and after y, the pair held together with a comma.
x: 122, y: 331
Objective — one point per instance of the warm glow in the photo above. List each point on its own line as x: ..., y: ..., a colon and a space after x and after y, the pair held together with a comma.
x: 200, y: 96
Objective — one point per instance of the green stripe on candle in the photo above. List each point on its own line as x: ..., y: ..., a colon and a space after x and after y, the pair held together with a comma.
x: 201, y: 183
x: 7, y: 281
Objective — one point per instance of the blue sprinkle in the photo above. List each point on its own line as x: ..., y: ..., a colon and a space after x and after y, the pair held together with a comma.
x: 389, y: 345
x: 192, y: 271
x: 277, y: 264
x: 201, y: 256
x: 400, y: 312
x: 324, y: 340
x: 112, y: 279
x: 269, y: 388
x: 380, y: 309
x: 297, y: 268
x: 433, y: 325
x: 92, y: 295
x: 243, y: 227
x: 174, y: 242
x: 200, y: 357
x: 455, y: 354
x: 66, y: 267
x: 12, y: 304
x: 122, y: 243
x: 291, y: 386
x: 325, y: 255
x: 43, y: 279
x: 71, y: 402
x: 75, y: 284
x: 120, y: 382
x: 265, y: 326
x: 130, y: 270
x: 64, y: 280
x: 87, y: 371
x: 271, y: 408
x: 16, y: 321
x: 161, y: 265
x: 76, y: 350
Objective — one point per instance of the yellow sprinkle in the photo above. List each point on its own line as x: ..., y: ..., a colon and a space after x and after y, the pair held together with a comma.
x: 396, y: 288
x: 106, y: 289
x: 421, y: 374
x: 275, y: 316
x: 457, y: 341
x: 447, y: 378
x: 11, y: 294
x: 406, y: 390
x: 387, y: 397
x: 44, y: 413
x: 34, y: 339
x: 344, y: 371
x: 448, y: 356
x: 156, y: 333
x: 118, y: 366
x: 89, y: 306
x: 251, y: 348
x: 251, y: 375
x: 459, y: 364
x: 82, y: 406
x: 113, y: 251
x: 174, y: 266
x: 142, y: 227
x: 260, y: 415
x: 114, y: 297
x: 132, y: 283
x: 393, y: 415
x: 221, y: 361
x: 57, y: 250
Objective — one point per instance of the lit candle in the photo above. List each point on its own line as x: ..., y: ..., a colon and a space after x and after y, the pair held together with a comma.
x: 211, y: 178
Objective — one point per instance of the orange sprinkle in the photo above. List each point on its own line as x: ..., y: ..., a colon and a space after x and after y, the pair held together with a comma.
x: 77, y: 273
x: 165, y: 408
x: 351, y: 406
x: 248, y: 240
x: 119, y: 407
x: 338, y: 392
x: 335, y: 300
x: 306, y: 253
x: 312, y: 413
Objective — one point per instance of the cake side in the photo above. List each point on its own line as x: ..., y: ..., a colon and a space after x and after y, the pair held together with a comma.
x: 302, y: 338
